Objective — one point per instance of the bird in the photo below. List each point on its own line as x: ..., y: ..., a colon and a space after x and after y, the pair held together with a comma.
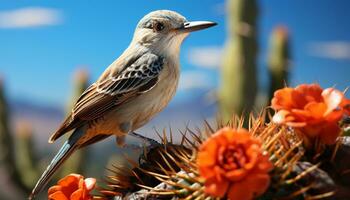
x: 131, y: 91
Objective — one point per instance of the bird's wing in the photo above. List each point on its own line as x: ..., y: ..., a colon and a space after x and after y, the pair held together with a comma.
x: 139, y: 76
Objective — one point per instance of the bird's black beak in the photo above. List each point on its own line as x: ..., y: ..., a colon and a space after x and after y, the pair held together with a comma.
x: 196, y: 26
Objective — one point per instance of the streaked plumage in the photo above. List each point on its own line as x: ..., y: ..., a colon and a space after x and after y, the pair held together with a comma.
x: 132, y: 90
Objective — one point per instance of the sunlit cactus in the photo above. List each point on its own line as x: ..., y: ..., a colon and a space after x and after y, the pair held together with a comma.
x: 239, y: 77
x: 76, y: 162
x: 279, y: 59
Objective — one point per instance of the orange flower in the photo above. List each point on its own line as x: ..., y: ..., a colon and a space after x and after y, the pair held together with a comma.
x: 233, y: 165
x: 311, y: 110
x: 72, y: 187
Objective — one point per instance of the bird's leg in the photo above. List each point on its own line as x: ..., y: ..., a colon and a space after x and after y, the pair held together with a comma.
x: 125, y: 127
x: 151, y: 142
x: 120, y: 140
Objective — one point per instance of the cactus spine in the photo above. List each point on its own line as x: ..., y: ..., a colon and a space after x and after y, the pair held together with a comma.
x: 239, y: 78
x: 278, y: 59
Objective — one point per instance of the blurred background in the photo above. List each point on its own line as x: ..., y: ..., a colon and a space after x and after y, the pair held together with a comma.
x: 50, y: 51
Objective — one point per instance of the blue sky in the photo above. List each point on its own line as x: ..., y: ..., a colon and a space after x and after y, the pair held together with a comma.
x: 37, y: 60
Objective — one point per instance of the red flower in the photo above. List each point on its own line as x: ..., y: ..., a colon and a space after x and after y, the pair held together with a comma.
x: 311, y: 110
x: 72, y: 187
x: 233, y: 164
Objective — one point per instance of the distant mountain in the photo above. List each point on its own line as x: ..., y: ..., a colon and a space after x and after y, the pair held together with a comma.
x: 28, y: 108
x: 44, y: 119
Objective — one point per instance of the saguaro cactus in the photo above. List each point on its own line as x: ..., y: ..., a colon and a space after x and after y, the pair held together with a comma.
x: 278, y: 60
x: 77, y: 161
x: 239, y: 79
x: 7, y: 156
x: 20, y: 165
x: 25, y: 155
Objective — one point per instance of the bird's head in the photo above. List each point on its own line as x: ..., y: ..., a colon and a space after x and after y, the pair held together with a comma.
x: 163, y: 31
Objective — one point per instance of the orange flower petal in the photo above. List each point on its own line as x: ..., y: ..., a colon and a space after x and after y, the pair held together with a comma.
x: 69, y: 179
x: 58, y: 196
x: 330, y: 133
x: 236, y: 175
x: 316, y: 110
x: 207, y: 172
x: 219, y: 173
x: 70, y: 183
x: 253, y: 154
x: 79, y: 195
x: 221, y: 137
x: 310, y: 92
x: 237, y: 154
x: 345, y: 104
x: 54, y: 189
x: 242, y: 136
x: 72, y: 187
x: 282, y: 116
x: 207, y: 154
x: 334, y: 116
x: 259, y: 183
x: 250, y: 187
x: 205, y: 159
x: 217, y: 189
x: 239, y: 191
x: 228, y: 135
x: 264, y: 165
x: 296, y: 124
x: 282, y: 99
x: 310, y: 110
x: 311, y: 130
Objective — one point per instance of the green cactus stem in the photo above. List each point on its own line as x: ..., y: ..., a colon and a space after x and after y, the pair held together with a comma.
x: 239, y: 77
x: 7, y: 156
x: 278, y: 60
x: 25, y: 156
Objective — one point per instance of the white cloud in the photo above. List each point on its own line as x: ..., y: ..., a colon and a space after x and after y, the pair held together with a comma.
x: 194, y: 80
x: 29, y: 17
x: 332, y: 49
x: 208, y: 57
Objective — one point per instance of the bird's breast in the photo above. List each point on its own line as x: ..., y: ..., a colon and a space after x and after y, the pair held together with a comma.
x: 156, y: 99
x: 142, y: 108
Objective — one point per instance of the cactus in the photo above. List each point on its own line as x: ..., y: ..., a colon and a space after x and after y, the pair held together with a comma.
x: 25, y: 156
x: 278, y: 60
x: 239, y: 79
x: 18, y: 156
x: 7, y: 156
x: 76, y: 162
x: 170, y: 171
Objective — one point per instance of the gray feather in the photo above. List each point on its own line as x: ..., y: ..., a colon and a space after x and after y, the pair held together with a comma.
x: 144, y: 69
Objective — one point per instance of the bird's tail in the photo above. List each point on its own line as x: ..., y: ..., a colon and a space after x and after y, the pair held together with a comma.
x: 66, y: 150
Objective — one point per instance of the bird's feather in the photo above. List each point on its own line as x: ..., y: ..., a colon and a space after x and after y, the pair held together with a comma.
x: 116, y: 88
x: 66, y: 150
x: 94, y: 139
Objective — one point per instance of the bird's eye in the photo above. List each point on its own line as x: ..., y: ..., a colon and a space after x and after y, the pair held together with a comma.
x: 158, y: 26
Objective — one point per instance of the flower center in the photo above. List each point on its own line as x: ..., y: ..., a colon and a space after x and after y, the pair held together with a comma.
x: 232, y: 157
